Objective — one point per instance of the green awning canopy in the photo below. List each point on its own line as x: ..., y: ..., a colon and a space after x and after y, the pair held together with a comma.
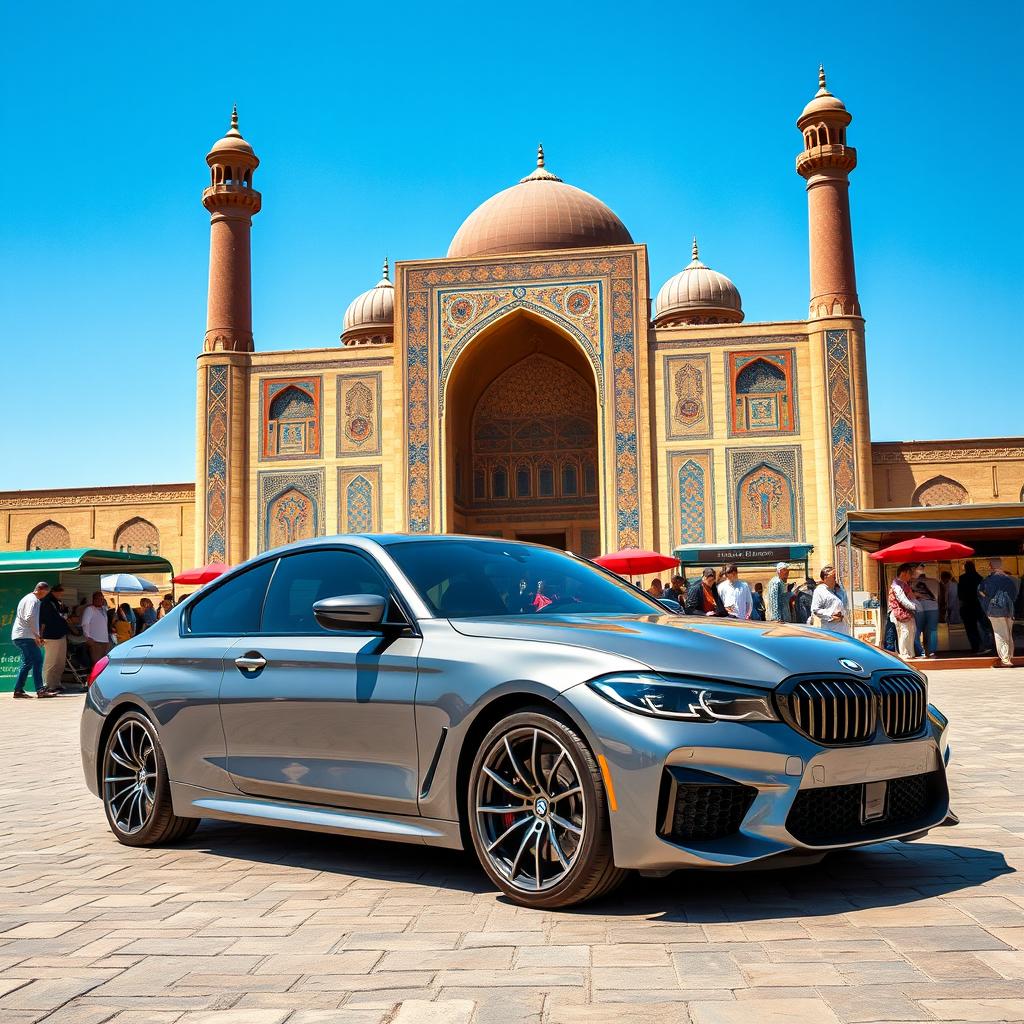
x: 81, y: 560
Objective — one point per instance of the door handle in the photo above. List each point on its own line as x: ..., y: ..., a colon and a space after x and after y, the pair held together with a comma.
x: 251, y: 662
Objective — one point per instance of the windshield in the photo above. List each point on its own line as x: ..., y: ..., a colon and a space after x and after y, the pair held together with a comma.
x: 460, y: 579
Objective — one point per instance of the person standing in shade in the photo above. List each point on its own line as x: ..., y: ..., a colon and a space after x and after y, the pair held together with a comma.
x: 970, y: 606
x: 735, y: 594
x: 96, y: 628
x: 829, y: 603
x: 777, y: 600
x: 950, y: 597
x: 703, y: 597
x: 677, y: 590
x: 54, y: 629
x: 802, y: 602
x: 926, y: 594
x: 655, y: 590
x: 758, y: 612
x: 903, y: 610
x: 148, y: 614
x: 999, y: 594
x: 29, y: 641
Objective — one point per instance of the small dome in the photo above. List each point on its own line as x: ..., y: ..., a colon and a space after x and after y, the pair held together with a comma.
x: 541, y: 212
x: 697, y: 295
x: 370, y: 317
x: 824, y: 102
x: 232, y: 141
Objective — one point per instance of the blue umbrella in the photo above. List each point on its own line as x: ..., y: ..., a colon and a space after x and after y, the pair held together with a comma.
x: 126, y: 583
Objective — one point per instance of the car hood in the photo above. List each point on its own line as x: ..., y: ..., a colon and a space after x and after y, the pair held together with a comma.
x: 758, y: 653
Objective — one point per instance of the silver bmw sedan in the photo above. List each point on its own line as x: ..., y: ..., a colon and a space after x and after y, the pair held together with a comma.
x: 460, y: 691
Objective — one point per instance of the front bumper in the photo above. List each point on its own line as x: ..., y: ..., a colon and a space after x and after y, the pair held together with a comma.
x: 774, y: 760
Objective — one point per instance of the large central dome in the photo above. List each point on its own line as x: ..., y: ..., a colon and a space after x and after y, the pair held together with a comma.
x: 541, y: 212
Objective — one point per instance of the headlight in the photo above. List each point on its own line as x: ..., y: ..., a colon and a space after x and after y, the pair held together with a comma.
x: 937, y: 716
x: 688, y: 700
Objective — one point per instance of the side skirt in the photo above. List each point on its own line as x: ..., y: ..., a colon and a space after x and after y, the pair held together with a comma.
x: 192, y: 802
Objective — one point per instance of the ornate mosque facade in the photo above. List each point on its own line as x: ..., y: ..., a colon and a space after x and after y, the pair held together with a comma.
x: 530, y: 384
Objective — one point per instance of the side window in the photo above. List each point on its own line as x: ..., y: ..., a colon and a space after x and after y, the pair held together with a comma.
x: 233, y: 608
x: 303, y: 579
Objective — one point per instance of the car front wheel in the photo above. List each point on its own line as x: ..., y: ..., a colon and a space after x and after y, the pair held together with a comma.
x: 136, y: 793
x: 539, y: 813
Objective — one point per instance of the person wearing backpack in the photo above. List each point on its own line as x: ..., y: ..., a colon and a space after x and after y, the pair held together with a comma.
x: 903, y: 610
x: 998, y: 592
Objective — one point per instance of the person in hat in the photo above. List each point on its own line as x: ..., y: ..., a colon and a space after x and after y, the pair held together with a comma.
x: 777, y: 600
x: 54, y: 629
x: 26, y: 635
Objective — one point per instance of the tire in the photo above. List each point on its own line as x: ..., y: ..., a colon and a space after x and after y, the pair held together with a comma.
x: 538, y: 813
x: 136, y: 791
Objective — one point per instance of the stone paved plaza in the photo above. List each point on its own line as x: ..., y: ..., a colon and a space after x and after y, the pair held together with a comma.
x: 244, y: 925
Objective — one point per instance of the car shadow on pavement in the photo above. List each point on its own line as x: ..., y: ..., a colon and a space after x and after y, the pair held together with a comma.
x: 344, y: 856
x: 891, y: 874
x: 888, y: 874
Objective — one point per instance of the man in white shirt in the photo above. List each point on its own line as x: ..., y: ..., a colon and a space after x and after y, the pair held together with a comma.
x: 735, y: 594
x: 828, y: 603
x: 95, y: 627
x: 27, y: 638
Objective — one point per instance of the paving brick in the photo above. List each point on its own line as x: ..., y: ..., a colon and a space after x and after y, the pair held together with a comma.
x: 444, y: 1011
x: 766, y: 1011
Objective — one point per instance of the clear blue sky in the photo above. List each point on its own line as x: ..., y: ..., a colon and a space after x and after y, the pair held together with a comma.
x: 380, y: 126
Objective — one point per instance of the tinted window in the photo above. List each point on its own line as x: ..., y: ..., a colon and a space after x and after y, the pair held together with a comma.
x: 302, y: 580
x: 462, y: 578
x: 233, y: 608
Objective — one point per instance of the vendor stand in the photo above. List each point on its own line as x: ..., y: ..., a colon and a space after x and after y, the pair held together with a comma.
x: 78, y: 569
x: 992, y: 530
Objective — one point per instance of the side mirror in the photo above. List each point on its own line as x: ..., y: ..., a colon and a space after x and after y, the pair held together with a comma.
x: 353, y: 612
x: 672, y: 606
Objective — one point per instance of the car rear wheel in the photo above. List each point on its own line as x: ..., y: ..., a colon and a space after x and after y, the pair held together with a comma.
x: 136, y: 793
x: 539, y: 814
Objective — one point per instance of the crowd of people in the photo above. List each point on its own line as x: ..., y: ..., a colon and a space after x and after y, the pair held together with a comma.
x: 50, y: 635
x: 986, y: 606
x: 917, y: 603
x: 722, y: 593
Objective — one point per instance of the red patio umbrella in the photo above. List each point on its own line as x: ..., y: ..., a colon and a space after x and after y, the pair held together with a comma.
x: 635, y: 562
x: 922, y: 549
x: 203, y: 574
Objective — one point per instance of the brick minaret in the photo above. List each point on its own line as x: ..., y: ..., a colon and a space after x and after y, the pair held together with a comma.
x: 232, y: 201
x: 826, y: 162
x: 222, y: 408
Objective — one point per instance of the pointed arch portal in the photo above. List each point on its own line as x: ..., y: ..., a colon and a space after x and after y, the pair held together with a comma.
x: 522, y: 438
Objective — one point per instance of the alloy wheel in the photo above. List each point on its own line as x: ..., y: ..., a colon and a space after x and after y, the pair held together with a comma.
x: 130, y: 776
x: 529, y: 808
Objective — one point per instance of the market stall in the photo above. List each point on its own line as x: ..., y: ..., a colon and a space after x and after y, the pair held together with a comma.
x: 78, y: 569
x: 991, y: 530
